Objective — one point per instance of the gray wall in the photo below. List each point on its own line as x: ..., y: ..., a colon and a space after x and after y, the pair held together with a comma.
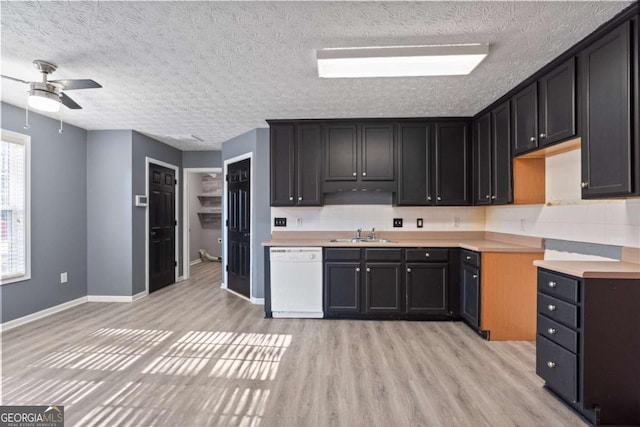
x: 144, y: 147
x: 58, y: 215
x: 202, y: 159
x: 255, y: 141
x: 109, y: 212
x: 202, y: 234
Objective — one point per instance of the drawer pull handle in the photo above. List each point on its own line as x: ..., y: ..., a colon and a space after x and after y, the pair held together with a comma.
x: 551, y: 307
x: 468, y: 258
x: 552, y: 284
x: 551, y: 331
x: 427, y: 255
x: 551, y: 364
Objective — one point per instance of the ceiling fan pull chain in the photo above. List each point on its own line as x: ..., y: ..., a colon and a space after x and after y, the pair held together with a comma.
x: 26, y: 113
x: 60, y: 130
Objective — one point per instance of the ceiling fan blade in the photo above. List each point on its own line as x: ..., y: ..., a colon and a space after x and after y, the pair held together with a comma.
x: 77, y: 84
x: 69, y: 103
x: 14, y: 79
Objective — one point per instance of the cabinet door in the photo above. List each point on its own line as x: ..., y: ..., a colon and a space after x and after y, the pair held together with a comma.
x: 557, y: 104
x: 607, y: 139
x: 482, y: 159
x: 340, y: 152
x: 383, y: 288
x: 414, y: 158
x: 501, y: 153
x: 308, y: 165
x: 378, y: 154
x: 452, y: 164
x: 525, y: 119
x: 426, y: 285
x: 470, y: 295
x: 342, y: 287
x: 282, y: 165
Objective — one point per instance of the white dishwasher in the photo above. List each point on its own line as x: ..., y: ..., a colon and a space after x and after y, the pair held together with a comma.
x: 296, y: 282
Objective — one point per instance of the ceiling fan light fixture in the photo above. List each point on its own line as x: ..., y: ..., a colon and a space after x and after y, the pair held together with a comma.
x: 400, y: 61
x: 44, y: 101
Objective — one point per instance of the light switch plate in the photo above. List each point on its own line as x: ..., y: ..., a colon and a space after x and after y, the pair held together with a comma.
x: 279, y: 222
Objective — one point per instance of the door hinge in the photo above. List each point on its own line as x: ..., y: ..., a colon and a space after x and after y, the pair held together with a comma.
x: 226, y: 222
x: 226, y: 177
x: 175, y: 222
x: 175, y: 182
x: 226, y: 267
x: 175, y: 263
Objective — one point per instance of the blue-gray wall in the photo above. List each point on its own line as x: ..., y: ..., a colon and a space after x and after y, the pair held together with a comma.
x: 58, y: 215
x: 109, y: 212
x: 144, y: 147
x: 255, y: 141
x: 202, y: 159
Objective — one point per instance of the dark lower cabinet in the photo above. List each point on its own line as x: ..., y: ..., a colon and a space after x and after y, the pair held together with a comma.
x: 383, y: 288
x: 426, y: 285
x: 470, y: 295
x: 342, y: 287
x: 588, y: 345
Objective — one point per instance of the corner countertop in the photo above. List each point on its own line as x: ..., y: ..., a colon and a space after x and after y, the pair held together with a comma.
x: 471, y: 241
x: 593, y: 269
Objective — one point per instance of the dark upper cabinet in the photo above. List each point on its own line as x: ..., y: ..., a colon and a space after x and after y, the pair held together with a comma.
x: 296, y: 158
x: 426, y: 288
x: 452, y: 164
x: 609, y: 147
x: 340, y: 152
x: 502, y: 189
x: 383, y: 288
x: 414, y: 160
x: 557, y: 104
x: 482, y: 160
x: 377, y: 158
x: 342, y: 287
x: 525, y: 119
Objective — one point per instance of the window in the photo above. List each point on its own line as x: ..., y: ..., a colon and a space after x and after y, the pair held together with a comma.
x: 14, y: 207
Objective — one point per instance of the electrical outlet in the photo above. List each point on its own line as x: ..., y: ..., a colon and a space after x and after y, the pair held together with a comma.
x: 64, y: 278
x: 299, y: 222
x: 397, y: 222
x: 456, y: 222
x: 523, y: 224
x: 280, y: 222
x: 419, y: 223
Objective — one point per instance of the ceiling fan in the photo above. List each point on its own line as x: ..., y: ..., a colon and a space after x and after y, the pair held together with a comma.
x: 47, y: 95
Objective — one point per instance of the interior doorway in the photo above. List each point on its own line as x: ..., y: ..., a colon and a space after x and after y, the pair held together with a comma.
x: 238, y: 227
x: 202, y: 208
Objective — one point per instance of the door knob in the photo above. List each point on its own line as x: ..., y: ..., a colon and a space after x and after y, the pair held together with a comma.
x: 551, y: 364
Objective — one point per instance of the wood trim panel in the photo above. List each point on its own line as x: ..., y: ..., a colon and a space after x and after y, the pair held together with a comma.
x: 528, y: 181
x: 508, y: 295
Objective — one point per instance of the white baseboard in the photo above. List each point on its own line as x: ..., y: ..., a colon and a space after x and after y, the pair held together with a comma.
x: 42, y: 313
x: 109, y: 298
x: 223, y: 286
x: 198, y: 261
x: 180, y: 279
x: 140, y: 295
x: 257, y: 301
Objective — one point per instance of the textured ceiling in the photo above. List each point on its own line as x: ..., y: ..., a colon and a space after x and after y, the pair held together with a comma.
x: 219, y: 69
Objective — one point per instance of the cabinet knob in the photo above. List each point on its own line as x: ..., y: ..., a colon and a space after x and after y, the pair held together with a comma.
x: 551, y: 331
x: 427, y: 255
x: 355, y: 174
x: 551, y: 307
x: 551, y: 364
x: 358, y: 269
x: 368, y: 270
x: 584, y: 184
x: 475, y: 276
x: 533, y: 139
x: 429, y: 198
x: 364, y: 174
x: 543, y: 135
x: 290, y: 198
x: 552, y: 284
x: 493, y: 197
x: 468, y: 258
x: 439, y: 198
x: 408, y: 270
x: 487, y: 196
x: 300, y: 198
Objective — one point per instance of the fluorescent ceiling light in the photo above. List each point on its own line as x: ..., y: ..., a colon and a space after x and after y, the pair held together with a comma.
x: 401, y: 61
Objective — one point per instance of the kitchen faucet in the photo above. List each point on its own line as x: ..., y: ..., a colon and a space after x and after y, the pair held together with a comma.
x: 359, y: 233
x: 372, y: 236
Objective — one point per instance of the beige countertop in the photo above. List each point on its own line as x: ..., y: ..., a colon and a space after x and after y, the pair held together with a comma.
x: 593, y: 269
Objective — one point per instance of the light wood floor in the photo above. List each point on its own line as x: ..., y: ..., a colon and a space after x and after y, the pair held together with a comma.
x: 193, y: 354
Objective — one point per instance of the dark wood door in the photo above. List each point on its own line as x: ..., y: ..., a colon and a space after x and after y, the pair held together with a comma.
x: 482, y: 160
x: 557, y: 104
x: 342, y: 287
x: 426, y: 288
x: 501, y: 154
x: 162, y: 227
x: 470, y: 295
x: 341, y: 142
x: 282, y: 165
x: 309, y: 165
x: 607, y: 138
x: 414, y: 159
x: 525, y: 119
x: 383, y: 288
x: 452, y: 164
x: 239, y: 227
x: 378, y: 154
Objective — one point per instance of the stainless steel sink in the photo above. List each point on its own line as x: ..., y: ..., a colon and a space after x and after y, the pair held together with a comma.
x: 362, y: 240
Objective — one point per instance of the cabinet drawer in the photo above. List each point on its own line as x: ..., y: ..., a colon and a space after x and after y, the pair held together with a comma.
x: 376, y: 254
x: 342, y: 254
x: 568, y: 338
x: 558, y: 310
x: 558, y: 367
x: 558, y: 286
x: 427, y: 255
x: 471, y: 258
